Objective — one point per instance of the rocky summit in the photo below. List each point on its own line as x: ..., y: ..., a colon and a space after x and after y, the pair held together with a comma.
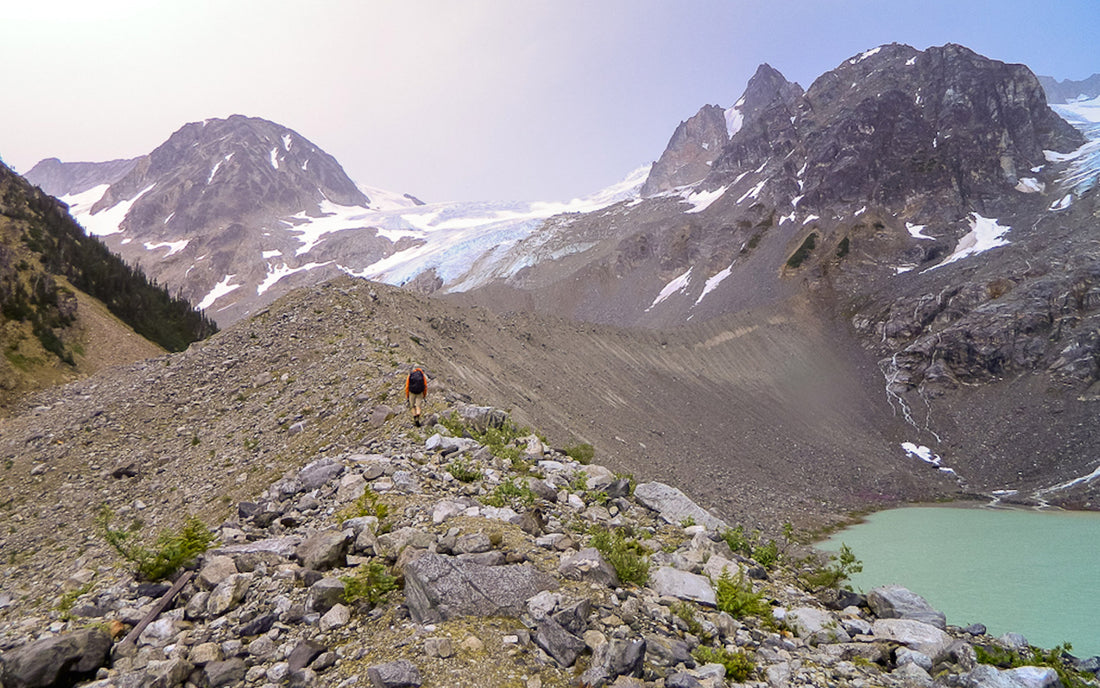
x: 311, y: 535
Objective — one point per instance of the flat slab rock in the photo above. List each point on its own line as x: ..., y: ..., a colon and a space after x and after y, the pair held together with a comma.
x: 438, y: 588
x: 674, y: 506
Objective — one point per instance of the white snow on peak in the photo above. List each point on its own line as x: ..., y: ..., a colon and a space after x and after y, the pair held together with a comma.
x: 734, y: 119
x: 870, y: 53
x: 220, y: 289
x: 1030, y: 185
x: 214, y: 171
x: 713, y: 282
x: 810, y: 218
x: 984, y: 235
x: 286, y: 142
x: 911, y: 61
x: 917, y: 231
x: 108, y: 220
x: 381, y: 199
x: 787, y: 218
x: 702, y: 200
x: 1080, y: 110
x: 677, y: 284
x: 172, y: 246
x: 925, y: 454
x: 334, y: 218
x: 268, y: 255
x: 274, y: 157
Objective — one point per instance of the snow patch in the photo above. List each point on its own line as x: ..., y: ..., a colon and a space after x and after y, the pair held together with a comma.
x: 926, y: 455
x: 753, y: 192
x: 702, y: 200
x: 1063, y: 203
x: 277, y: 273
x: 107, y: 221
x: 220, y: 289
x: 677, y: 284
x: 735, y: 119
x: 274, y: 157
x: 172, y: 246
x: 911, y: 61
x: 985, y: 234
x: 810, y: 219
x: 917, y: 231
x: 713, y: 282
x: 286, y: 142
x: 1030, y: 185
x: 267, y: 255
x: 870, y: 53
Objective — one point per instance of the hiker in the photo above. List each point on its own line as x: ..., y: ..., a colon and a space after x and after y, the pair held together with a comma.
x: 416, y: 389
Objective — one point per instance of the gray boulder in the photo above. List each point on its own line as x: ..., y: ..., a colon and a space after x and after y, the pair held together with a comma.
x: 683, y: 585
x: 985, y: 676
x: 439, y: 587
x: 816, y: 626
x: 917, y: 635
x: 318, y: 473
x: 620, y: 657
x: 62, y: 660
x: 896, y: 602
x: 399, y: 674
x: 325, y: 550
x: 325, y: 594
x: 590, y: 566
x: 229, y: 672
x: 674, y: 506
x: 481, y: 418
x: 558, y: 642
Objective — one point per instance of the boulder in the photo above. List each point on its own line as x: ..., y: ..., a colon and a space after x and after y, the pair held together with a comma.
x: 228, y: 594
x: 620, y: 657
x: 590, y: 566
x: 558, y: 642
x: 229, y: 672
x: 816, y: 626
x: 683, y: 585
x: 318, y: 473
x: 324, y: 594
x: 896, y: 602
x: 214, y: 570
x: 303, y: 654
x: 399, y: 674
x: 481, y: 418
x: 986, y: 676
x: 674, y: 506
x: 439, y: 587
x: 61, y: 660
x: 917, y: 635
x: 325, y: 550
x: 282, y: 547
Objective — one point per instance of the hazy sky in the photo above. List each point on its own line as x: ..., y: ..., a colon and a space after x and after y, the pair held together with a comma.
x: 462, y: 99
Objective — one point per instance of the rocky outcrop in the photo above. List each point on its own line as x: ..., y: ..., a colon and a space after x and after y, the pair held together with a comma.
x: 694, y: 145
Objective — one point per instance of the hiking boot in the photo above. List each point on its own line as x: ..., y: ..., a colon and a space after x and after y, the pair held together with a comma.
x: 416, y: 421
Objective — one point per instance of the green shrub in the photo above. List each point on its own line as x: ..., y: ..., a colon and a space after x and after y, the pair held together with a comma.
x: 1034, y: 656
x: 508, y: 493
x: 737, y: 540
x: 370, y: 584
x: 739, y: 665
x: 368, y: 504
x: 170, y: 551
x: 581, y: 453
x: 463, y: 471
x: 686, y: 611
x: 736, y: 598
x: 625, y: 555
x: 767, y: 554
x: 840, y: 568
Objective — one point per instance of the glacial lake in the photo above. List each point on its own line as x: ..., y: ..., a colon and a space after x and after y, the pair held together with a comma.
x: 1031, y: 572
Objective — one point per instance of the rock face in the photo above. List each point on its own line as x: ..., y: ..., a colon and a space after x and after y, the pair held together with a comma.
x: 693, y: 147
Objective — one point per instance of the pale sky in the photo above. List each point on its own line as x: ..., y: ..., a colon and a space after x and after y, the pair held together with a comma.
x: 462, y: 99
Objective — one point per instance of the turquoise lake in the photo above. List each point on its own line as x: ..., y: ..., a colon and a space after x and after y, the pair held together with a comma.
x: 1031, y: 572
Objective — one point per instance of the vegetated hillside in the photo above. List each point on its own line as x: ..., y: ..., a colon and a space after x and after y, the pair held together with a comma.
x: 51, y: 331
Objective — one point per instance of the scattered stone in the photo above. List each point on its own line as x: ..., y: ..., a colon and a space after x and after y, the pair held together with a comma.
x: 303, y: 654
x: 683, y: 585
x: 590, y: 566
x: 325, y: 550
x: 229, y: 672
x: 559, y: 643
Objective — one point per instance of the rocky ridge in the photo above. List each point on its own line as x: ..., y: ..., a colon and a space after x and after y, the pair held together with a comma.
x: 495, y: 593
